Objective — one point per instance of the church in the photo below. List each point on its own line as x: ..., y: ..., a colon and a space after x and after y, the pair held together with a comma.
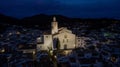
x: 65, y: 37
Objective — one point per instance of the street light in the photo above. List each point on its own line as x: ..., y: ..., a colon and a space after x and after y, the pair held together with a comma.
x: 33, y: 57
x: 51, y: 52
x: 3, y: 50
x: 66, y: 52
x: 113, y: 59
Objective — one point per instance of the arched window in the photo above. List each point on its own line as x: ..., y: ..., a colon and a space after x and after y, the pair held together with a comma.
x: 67, y: 40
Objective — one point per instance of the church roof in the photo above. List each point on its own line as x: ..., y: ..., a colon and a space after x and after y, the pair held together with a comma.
x: 63, y: 29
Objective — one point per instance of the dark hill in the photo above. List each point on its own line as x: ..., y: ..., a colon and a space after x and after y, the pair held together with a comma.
x: 8, y: 20
x: 43, y: 21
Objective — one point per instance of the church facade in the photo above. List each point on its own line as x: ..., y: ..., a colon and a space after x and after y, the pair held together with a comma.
x: 65, y: 37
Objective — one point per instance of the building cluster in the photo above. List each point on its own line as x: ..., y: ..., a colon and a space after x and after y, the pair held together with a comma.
x: 23, y: 47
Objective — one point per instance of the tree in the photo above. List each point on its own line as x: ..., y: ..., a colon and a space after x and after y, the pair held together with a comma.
x: 52, y: 56
x: 53, y: 53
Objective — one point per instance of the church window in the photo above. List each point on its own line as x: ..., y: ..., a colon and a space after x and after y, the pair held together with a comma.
x: 67, y: 40
x: 65, y: 36
x: 63, y: 40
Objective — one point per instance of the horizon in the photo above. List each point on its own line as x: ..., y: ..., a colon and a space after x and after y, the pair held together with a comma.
x: 60, y: 15
x: 68, y: 8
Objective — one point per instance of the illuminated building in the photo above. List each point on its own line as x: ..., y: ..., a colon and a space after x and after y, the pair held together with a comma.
x: 65, y: 37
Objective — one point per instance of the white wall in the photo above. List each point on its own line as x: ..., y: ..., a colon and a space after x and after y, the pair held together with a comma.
x: 66, y: 39
x: 48, y: 42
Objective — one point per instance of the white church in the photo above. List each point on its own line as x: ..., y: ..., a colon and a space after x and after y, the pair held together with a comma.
x: 67, y: 39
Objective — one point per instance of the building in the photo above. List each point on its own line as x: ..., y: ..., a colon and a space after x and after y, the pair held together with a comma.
x: 44, y: 42
x: 80, y: 41
x: 27, y: 48
x: 63, y: 36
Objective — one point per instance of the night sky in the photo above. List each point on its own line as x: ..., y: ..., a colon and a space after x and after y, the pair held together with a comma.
x: 70, y: 8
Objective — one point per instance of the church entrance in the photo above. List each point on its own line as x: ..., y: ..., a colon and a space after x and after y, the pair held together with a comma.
x: 65, y: 46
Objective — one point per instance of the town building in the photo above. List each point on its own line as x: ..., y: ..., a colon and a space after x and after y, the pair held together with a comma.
x: 58, y: 36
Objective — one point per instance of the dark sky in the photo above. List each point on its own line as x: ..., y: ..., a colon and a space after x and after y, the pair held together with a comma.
x: 70, y: 8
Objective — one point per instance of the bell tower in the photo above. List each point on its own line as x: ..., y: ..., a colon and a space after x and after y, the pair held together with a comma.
x: 54, y: 26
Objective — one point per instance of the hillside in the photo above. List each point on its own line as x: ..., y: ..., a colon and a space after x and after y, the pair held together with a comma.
x: 43, y: 21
